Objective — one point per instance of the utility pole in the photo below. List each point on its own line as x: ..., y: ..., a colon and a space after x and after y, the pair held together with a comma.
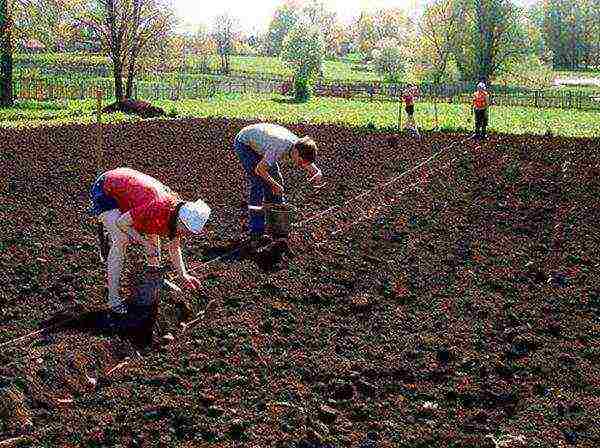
x: 6, y: 57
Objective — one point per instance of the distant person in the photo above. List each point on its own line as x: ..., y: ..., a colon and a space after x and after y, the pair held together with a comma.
x: 134, y: 207
x: 259, y: 148
x: 481, y: 101
x: 411, y: 93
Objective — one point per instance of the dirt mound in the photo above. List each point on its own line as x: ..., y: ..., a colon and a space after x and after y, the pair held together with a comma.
x: 136, y: 107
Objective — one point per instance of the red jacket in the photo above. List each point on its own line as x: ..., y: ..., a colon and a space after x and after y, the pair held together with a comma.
x: 151, y: 203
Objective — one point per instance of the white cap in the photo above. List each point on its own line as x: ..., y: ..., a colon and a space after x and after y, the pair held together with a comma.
x: 481, y: 86
x: 194, y: 215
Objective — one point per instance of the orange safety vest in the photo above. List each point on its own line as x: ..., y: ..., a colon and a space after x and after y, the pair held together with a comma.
x: 480, y: 100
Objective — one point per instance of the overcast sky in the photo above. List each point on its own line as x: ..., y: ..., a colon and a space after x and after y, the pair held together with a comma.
x: 256, y: 14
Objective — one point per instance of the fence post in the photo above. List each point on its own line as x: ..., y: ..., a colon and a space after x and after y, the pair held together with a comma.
x: 399, y: 111
x: 436, y: 112
x: 99, y: 152
x: 400, y: 98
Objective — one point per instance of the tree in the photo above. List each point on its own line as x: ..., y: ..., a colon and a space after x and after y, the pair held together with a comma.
x: 6, y: 55
x: 315, y: 13
x: 390, y: 59
x: 491, y: 35
x: 304, y: 47
x: 534, y: 24
x: 203, y: 47
x: 337, y: 40
x: 285, y: 17
x: 130, y: 30
x: 393, y: 23
x: 438, y: 29
x: 365, y: 34
x: 48, y: 21
x: 225, y: 31
x: 572, y: 32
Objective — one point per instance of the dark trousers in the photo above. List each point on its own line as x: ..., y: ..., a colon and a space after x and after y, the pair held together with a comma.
x: 481, y: 122
x: 259, y: 192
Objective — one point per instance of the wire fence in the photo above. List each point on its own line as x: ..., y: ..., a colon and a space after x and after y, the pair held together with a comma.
x: 65, y: 88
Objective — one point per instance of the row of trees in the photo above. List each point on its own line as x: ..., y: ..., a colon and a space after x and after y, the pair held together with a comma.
x: 571, y: 30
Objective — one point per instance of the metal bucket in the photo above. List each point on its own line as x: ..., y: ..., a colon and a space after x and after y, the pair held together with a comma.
x: 277, y: 220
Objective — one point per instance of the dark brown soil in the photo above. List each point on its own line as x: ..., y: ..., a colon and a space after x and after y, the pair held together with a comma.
x: 464, y: 309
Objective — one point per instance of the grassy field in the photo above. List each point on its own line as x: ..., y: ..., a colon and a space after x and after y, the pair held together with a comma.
x: 451, y: 117
x: 340, y: 70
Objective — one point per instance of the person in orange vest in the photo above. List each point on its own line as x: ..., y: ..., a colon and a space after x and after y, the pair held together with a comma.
x: 134, y: 207
x: 481, y: 101
x: 409, y: 96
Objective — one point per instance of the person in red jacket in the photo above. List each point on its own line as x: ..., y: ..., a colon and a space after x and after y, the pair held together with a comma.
x: 410, y: 95
x: 481, y: 101
x: 134, y: 207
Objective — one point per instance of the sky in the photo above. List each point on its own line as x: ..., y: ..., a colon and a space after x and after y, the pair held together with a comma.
x: 255, y: 15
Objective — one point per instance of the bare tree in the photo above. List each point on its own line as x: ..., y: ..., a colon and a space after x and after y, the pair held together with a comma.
x: 225, y: 31
x: 438, y: 28
x: 6, y: 56
x: 128, y: 29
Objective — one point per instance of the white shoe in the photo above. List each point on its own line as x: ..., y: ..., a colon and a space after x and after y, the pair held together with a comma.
x: 117, y: 305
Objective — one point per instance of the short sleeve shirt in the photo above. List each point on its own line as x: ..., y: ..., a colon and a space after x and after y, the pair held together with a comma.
x: 151, y: 203
x: 268, y: 140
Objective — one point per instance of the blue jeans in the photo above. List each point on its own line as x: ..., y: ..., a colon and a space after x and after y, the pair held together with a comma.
x: 100, y: 202
x: 259, y: 191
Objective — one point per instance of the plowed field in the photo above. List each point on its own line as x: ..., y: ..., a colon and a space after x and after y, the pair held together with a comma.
x: 457, y: 305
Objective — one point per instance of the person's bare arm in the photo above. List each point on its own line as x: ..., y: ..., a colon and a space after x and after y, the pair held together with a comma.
x: 262, y: 170
x: 176, y: 257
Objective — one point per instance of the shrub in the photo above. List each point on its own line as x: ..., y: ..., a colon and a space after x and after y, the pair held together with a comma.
x: 304, y: 47
x: 389, y: 60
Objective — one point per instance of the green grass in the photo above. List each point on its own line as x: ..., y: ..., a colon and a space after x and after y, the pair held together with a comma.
x: 347, y: 69
x: 451, y: 117
x: 260, y: 65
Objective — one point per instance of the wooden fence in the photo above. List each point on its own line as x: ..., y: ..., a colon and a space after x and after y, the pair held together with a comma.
x: 79, y: 89
x: 65, y: 89
x: 462, y: 93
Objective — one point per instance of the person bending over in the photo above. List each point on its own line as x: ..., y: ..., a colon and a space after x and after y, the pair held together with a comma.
x: 134, y: 207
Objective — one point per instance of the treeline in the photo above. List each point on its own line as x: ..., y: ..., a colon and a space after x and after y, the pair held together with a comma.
x: 571, y: 30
